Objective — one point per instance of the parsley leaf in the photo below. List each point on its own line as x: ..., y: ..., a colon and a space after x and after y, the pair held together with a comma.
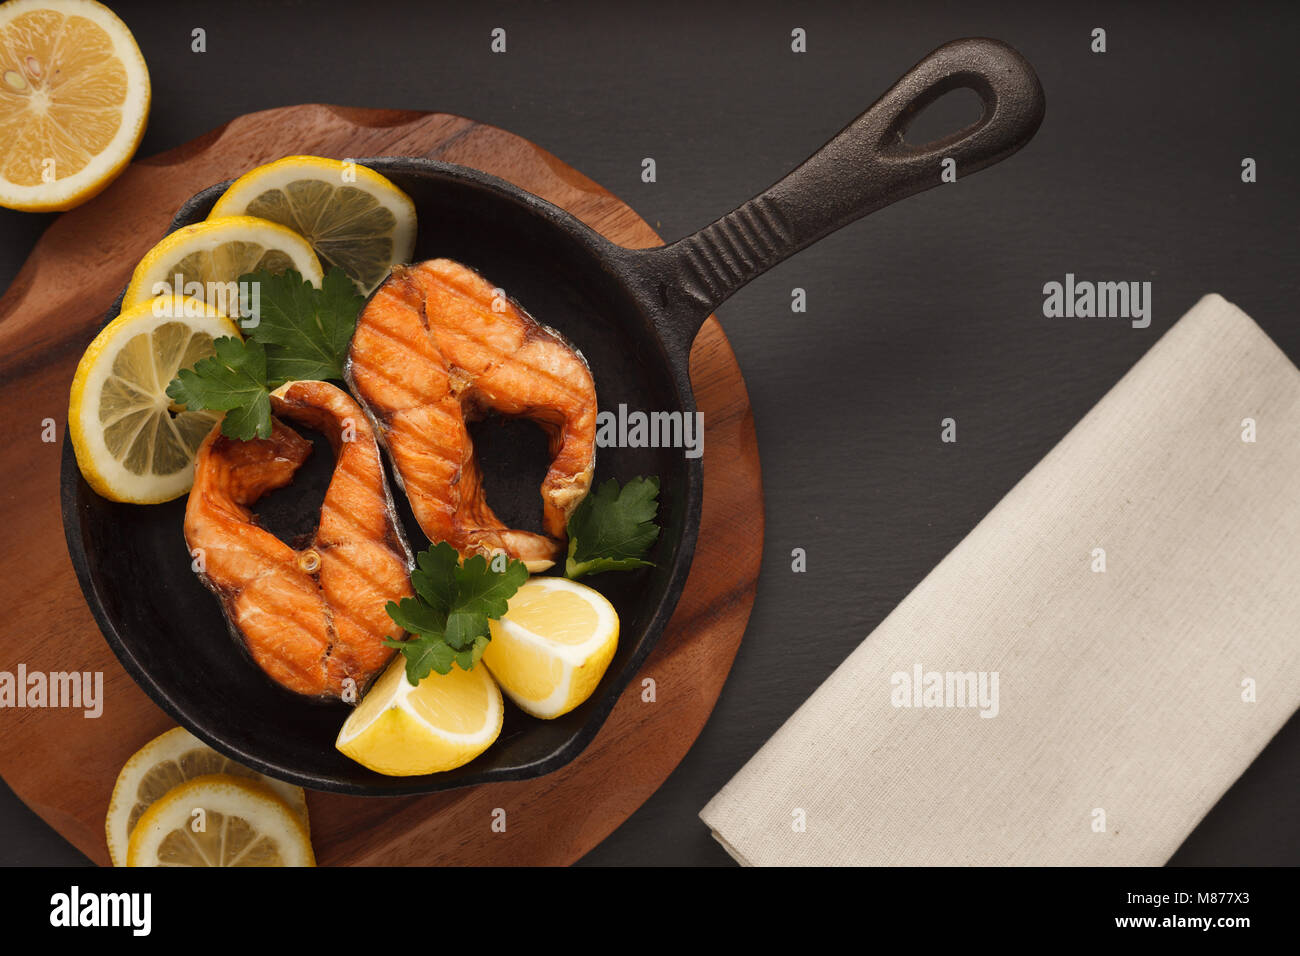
x: 448, y: 617
x: 613, y: 528
x: 481, y: 592
x: 306, y: 330
x: 301, y: 332
x: 424, y: 653
x: 232, y: 381
x: 416, y: 617
x: 434, y: 579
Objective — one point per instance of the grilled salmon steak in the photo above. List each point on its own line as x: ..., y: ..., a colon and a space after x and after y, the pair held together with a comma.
x: 436, y: 347
x: 313, y: 617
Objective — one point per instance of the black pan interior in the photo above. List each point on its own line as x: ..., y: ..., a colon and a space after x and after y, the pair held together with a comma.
x: 169, y: 631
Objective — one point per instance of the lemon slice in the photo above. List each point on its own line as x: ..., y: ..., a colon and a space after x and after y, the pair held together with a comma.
x: 402, y: 731
x: 551, y: 648
x: 164, y: 763
x: 131, y: 443
x: 353, y: 217
x: 74, y: 95
x: 208, y: 258
x: 220, y: 820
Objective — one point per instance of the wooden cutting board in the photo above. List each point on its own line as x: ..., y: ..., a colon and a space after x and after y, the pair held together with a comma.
x: 64, y: 765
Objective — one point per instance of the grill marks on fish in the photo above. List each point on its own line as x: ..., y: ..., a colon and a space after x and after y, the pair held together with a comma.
x: 435, y: 348
x: 309, y: 630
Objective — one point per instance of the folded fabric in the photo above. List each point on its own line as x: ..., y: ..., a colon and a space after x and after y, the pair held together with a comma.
x: 1086, y: 673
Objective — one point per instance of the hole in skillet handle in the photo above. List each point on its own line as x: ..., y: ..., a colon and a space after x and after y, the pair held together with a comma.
x: 896, y: 142
x: 952, y: 113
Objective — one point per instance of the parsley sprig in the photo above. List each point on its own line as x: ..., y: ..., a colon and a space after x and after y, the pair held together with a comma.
x: 613, y: 528
x: 301, y: 333
x: 448, y: 617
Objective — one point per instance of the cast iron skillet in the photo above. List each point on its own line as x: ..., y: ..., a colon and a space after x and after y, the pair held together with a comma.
x: 632, y: 313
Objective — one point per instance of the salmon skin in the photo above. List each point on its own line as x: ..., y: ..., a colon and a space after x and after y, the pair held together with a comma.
x: 312, y: 618
x: 437, y: 347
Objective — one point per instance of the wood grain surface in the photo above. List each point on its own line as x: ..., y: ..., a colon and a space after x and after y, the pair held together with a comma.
x: 64, y: 765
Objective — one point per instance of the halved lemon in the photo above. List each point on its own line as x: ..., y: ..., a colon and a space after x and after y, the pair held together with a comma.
x: 446, y: 721
x: 132, y: 443
x: 553, y: 645
x: 74, y: 96
x: 207, y: 259
x: 164, y: 763
x: 220, y: 820
x: 353, y: 217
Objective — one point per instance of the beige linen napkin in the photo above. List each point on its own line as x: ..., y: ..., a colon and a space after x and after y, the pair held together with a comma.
x: 1128, y: 699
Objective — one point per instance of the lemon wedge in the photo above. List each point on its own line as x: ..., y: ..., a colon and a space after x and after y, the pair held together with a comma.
x: 164, y: 763
x: 553, y: 645
x: 207, y: 259
x: 220, y: 820
x: 353, y: 217
x: 74, y: 96
x: 131, y: 443
x: 446, y: 721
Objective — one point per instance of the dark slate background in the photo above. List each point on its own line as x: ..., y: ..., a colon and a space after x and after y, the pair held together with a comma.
x: 929, y: 309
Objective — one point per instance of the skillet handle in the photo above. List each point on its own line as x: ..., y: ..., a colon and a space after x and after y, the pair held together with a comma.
x: 865, y: 167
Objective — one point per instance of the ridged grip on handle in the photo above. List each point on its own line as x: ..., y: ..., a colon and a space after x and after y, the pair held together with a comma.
x: 866, y: 166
